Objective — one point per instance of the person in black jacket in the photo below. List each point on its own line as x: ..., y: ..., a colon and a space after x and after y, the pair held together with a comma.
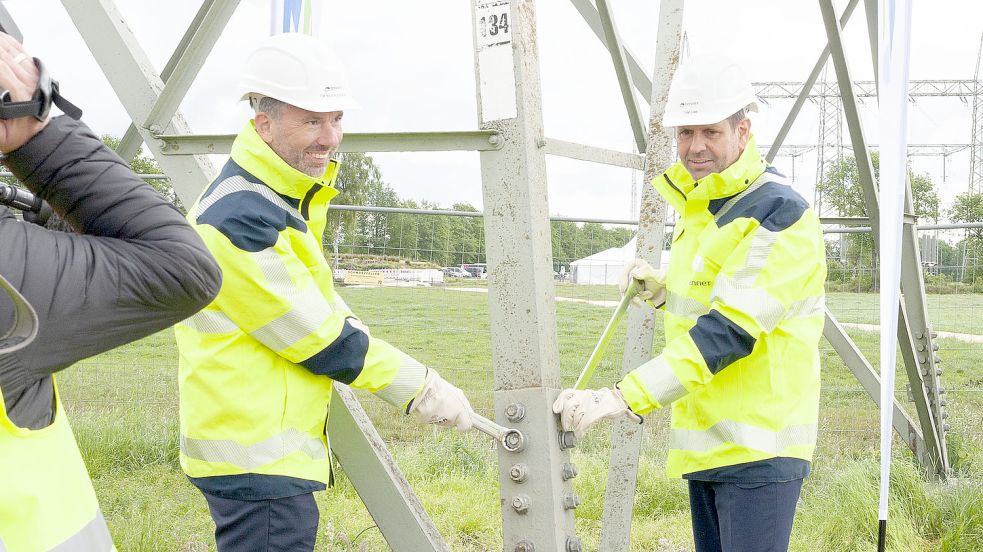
x: 135, y: 267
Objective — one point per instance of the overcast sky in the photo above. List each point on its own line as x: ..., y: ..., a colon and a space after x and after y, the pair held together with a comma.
x: 412, y: 68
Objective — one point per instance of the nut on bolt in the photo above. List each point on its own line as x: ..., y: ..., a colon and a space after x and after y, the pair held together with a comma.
x: 518, y: 473
x: 520, y: 503
x: 568, y: 471
x: 571, y: 501
x: 567, y: 440
x: 515, y: 412
x: 573, y: 545
x: 525, y: 546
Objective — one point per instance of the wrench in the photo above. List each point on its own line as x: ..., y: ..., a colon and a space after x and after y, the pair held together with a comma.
x: 512, y: 439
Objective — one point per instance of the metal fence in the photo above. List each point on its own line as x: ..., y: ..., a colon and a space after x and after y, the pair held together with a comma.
x: 849, y: 420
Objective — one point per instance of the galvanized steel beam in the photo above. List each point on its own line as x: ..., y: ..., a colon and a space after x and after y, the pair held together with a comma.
x: 917, y: 340
x: 604, y: 156
x: 593, y: 18
x: 138, y: 87
x: 626, y: 437
x: 181, y: 69
x: 871, y: 382
x: 613, y: 41
x: 460, y: 140
x: 387, y: 495
x: 802, y: 95
x: 522, y: 307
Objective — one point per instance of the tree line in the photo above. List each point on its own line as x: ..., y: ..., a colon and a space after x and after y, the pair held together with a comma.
x: 948, y: 265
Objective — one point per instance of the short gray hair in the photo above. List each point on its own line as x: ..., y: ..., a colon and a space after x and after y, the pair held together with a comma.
x: 737, y: 117
x: 271, y: 106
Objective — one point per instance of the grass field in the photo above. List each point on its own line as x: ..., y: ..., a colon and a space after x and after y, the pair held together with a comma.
x: 123, y: 406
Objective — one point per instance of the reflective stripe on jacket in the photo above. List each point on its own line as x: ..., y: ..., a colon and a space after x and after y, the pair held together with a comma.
x: 743, y: 319
x: 257, y: 365
x: 47, y: 503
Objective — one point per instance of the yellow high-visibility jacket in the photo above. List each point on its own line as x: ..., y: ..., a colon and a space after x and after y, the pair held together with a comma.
x: 743, y: 319
x: 257, y: 364
x: 46, y: 498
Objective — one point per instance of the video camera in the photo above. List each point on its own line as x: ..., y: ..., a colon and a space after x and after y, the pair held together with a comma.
x: 38, y: 106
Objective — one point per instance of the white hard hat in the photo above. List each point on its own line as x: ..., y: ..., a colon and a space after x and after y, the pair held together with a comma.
x: 300, y: 70
x: 706, y: 90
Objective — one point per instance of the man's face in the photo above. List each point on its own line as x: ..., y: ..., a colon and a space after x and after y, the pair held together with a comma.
x: 306, y: 140
x: 706, y: 149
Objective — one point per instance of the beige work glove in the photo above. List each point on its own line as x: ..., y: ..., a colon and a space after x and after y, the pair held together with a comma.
x: 651, y: 283
x: 442, y: 404
x: 579, y: 410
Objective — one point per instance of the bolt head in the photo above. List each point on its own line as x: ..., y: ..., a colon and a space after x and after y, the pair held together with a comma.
x: 515, y: 412
x: 573, y: 545
x: 525, y: 546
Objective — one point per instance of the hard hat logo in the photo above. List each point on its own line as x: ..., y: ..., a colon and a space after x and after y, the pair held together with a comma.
x: 300, y: 70
x: 706, y: 90
x: 333, y: 91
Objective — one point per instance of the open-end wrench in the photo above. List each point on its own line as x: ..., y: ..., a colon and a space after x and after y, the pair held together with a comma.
x: 512, y: 439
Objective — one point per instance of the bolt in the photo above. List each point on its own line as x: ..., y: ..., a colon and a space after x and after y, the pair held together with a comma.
x: 922, y: 359
x: 941, y: 390
x: 573, y: 545
x: 935, y: 334
x: 935, y: 346
x: 567, y: 440
x: 515, y: 412
x: 495, y: 139
x: 525, y: 546
x: 518, y: 473
x: 945, y: 427
x: 938, y: 360
x: 514, y: 441
x: 943, y: 402
x: 155, y: 129
x: 920, y: 347
x: 568, y: 471
x: 938, y: 371
x: 571, y: 501
x: 540, y: 142
x: 520, y: 503
x: 945, y: 414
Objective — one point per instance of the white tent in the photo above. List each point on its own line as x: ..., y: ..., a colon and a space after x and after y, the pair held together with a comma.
x: 606, y: 266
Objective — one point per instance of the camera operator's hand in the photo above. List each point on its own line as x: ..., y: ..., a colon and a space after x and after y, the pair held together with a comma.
x: 19, y: 76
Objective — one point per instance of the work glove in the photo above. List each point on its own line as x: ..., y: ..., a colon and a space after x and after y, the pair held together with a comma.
x: 442, y: 404
x: 651, y: 283
x: 579, y: 410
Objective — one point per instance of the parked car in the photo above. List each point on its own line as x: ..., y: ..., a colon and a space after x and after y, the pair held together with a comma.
x: 477, y: 270
x: 456, y: 272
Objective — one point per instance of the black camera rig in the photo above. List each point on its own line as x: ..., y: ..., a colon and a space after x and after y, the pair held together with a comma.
x: 38, y: 106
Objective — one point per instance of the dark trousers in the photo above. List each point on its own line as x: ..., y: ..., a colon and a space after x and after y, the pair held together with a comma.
x: 743, y: 517
x: 275, y: 525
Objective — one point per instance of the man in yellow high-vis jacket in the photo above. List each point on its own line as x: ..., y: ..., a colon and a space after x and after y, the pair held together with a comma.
x: 743, y: 297
x: 257, y: 365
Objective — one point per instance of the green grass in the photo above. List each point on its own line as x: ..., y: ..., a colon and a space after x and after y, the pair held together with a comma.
x: 123, y: 407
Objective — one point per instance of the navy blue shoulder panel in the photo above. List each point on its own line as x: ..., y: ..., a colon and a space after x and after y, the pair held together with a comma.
x: 720, y: 341
x: 716, y: 204
x: 775, y: 206
x: 249, y: 220
x: 343, y: 359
